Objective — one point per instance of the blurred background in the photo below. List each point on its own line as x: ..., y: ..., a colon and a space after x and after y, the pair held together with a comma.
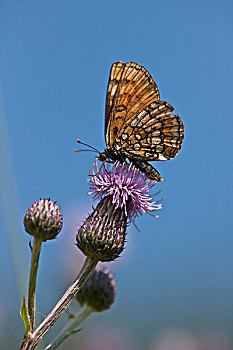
x: 174, y: 279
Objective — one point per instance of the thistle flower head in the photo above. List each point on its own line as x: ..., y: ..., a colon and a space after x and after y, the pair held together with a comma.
x: 99, y: 290
x: 123, y: 192
x: 43, y: 220
x: 127, y: 186
x: 102, y: 235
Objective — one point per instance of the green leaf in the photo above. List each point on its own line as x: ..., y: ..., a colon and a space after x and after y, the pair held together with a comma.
x: 24, y: 315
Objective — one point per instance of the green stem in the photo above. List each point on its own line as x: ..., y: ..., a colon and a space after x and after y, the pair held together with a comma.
x: 34, y: 338
x: 32, y: 280
x: 70, y: 328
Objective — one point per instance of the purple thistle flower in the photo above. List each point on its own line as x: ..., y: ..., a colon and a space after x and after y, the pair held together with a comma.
x: 123, y: 191
x: 127, y: 187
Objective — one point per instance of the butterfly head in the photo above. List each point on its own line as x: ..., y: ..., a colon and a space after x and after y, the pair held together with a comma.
x: 102, y: 156
x: 111, y: 154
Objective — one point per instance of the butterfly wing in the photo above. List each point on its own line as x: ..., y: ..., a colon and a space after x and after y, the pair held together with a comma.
x: 152, y: 134
x: 113, y: 82
x: 130, y: 89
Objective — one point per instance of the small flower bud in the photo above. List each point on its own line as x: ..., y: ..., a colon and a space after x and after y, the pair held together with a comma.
x: 99, y: 291
x: 102, y: 235
x: 43, y: 220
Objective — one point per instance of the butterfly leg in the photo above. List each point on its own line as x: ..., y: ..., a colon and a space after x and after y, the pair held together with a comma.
x: 122, y: 157
x: 98, y: 169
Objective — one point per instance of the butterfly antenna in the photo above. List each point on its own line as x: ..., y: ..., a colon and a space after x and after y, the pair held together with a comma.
x: 93, y: 149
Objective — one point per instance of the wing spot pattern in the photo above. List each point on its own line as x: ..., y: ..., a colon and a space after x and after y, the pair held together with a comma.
x: 138, y: 136
x: 137, y: 146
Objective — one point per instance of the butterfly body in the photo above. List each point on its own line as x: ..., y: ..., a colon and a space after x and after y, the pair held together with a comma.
x: 147, y: 169
x: 110, y: 154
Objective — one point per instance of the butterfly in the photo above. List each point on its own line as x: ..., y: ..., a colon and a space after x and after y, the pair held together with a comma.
x: 138, y: 126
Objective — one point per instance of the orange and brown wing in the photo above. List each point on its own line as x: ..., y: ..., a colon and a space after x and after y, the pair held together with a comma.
x: 152, y: 134
x: 130, y: 89
x: 113, y: 82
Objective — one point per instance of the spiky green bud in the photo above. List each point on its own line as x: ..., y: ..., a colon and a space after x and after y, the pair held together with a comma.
x: 102, y: 235
x: 43, y: 220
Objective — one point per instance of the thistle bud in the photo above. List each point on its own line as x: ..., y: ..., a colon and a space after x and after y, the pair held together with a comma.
x: 102, y: 235
x: 99, y: 291
x: 43, y: 220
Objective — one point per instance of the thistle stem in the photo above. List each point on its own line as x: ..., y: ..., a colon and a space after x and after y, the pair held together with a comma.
x: 34, y: 338
x: 71, y: 328
x: 36, y: 248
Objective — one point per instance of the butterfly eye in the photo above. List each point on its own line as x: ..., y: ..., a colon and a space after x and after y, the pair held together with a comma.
x: 102, y: 157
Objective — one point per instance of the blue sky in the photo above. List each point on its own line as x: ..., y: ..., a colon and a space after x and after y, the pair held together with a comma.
x: 54, y: 66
